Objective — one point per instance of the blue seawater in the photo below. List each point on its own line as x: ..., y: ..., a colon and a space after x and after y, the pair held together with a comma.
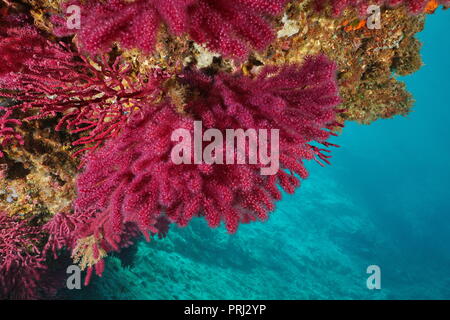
x: 384, y: 201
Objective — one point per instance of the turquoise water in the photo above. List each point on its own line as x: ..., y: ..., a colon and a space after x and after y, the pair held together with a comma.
x: 385, y: 201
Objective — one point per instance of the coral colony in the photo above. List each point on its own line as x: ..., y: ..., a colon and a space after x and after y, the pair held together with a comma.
x: 123, y: 118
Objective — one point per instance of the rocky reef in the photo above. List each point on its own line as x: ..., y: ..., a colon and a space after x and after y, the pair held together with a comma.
x: 87, y: 114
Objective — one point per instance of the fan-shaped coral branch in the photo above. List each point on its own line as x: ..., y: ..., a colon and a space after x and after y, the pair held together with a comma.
x: 132, y: 179
x: 21, y: 260
x: 19, y: 41
x: 230, y: 27
x: 94, y: 97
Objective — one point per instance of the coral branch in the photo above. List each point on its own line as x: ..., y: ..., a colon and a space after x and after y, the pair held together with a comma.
x: 94, y: 97
x: 132, y: 179
x: 7, y: 132
x: 21, y: 260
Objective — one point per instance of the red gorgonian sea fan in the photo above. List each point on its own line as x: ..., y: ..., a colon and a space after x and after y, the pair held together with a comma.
x: 338, y: 6
x: 230, y: 27
x: 21, y: 260
x: 93, y: 97
x: 132, y: 178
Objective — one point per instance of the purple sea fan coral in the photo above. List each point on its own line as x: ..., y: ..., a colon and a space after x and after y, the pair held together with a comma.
x: 299, y: 101
x: 230, y: 27
x: 132, y: 179
x: 94, y: 97
x: 60, y: 231
x: 21, y: 261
